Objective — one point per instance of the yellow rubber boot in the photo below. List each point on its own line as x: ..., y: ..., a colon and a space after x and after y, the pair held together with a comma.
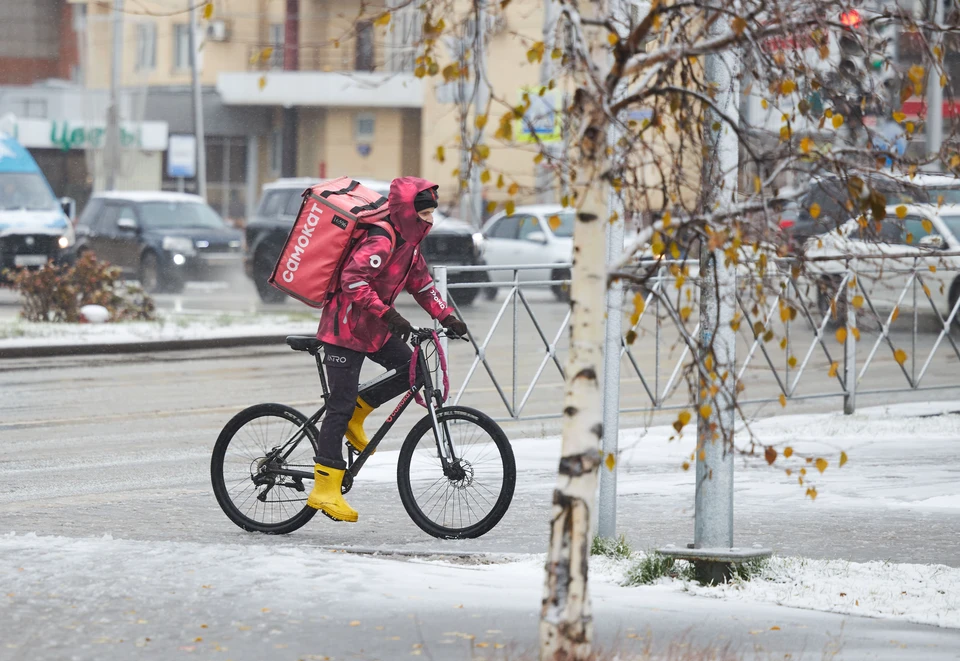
x: 355, y: 434
x: 326, y: 495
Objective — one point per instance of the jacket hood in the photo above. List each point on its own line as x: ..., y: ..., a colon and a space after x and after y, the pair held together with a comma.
x: 404, y: 217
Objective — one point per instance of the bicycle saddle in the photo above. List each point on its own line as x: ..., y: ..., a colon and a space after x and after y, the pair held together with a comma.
x: 304, y: 343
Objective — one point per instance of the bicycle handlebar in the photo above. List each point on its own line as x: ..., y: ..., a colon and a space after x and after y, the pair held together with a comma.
x: 419, y: 334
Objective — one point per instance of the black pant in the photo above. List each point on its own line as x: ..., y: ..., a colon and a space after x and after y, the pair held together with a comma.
x: 343, y: 378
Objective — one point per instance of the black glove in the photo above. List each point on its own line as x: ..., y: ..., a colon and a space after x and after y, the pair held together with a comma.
x: 397, y: 324
x: 454, y: 325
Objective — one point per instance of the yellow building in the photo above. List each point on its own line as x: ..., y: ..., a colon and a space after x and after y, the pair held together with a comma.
x: 344, y: 100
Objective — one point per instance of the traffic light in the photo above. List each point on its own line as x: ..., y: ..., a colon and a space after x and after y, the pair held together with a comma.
x: 852, y: 55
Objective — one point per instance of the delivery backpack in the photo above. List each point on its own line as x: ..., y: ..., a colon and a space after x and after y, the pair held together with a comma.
x: 333, y: 217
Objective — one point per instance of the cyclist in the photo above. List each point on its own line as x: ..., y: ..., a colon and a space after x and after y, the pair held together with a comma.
x: 361, y: 322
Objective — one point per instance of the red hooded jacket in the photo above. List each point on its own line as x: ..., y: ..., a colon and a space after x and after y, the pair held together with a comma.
x: 374, y: 275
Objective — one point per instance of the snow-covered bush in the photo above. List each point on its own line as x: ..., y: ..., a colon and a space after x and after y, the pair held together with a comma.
x: 57, y: 292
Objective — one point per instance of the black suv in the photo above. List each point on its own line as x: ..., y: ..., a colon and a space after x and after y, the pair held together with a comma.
x: 162, y: 239
x: 451, y: 242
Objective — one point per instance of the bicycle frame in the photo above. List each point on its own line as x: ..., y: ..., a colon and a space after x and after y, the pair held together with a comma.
x: 432, y: 398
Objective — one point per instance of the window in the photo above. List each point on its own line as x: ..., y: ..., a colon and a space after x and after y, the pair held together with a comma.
x: 127, y: 213
x: 292, y: 205
x: 271, y: 204
x: 363, y: 54
x: 915, y: 230
x: 146, y: 46
x: 173, y: 215
x: 181, y: 47
x: 506, y: 228
x: 365, y: 127
x: 30, y: 108
x: 277, y: 40
x: 276, y: 152
x: 565, y: 229
x: 106, y: 223
x: 529, y: 225
x: 90, y: 214
x: 227, y: 175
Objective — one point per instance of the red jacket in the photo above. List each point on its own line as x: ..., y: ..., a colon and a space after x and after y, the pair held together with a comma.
x: 373, y: 277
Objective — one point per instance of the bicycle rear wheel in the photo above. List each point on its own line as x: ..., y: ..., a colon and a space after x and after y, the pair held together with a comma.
x: 252, y: 496
x: 474, y: 495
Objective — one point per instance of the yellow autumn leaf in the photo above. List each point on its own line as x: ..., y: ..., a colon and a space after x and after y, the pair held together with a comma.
x: 841, y: 335
x: 837, y: 120
x: 901, y: 212
x: 554, y: 222
x: 480, y: 121
x: 785, y: 133
x: 686, y: 465
x: 898, y: 116
x: 383, y: 19
x: 812, y: 492
x: 843, y: 459
x: 833, y: 369
x: 895, y: 314
x: 900, y: 356
x: 441, y: 153
x: 705, y: 411
x: 787, y: 87
x: 610, y: 461
x: 355, y: 623
x: 814, y: 210
x: 764, y: 103
x: 739, y: 25
x: 485, y: 176
x: 510, y: 207
x: 822, y: 464
x: 806, y: 145
x: 208, y: 10
x: 788, y: 452
x: 933, y: 268
x: 613, y: 39
x: 927, y: 225
x: 513, y: 189
x: 856, y: 334
x: 491, y: 207
x: 857, y: 301
x: 792, y: 361
x: 262, y: 82
x: 783, y: 400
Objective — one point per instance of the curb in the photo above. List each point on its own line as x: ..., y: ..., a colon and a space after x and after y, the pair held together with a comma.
x: 42, y: 351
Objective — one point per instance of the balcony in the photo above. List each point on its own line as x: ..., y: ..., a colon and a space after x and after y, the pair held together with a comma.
x: 344, y: 77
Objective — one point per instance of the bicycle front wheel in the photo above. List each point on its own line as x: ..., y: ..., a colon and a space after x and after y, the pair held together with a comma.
x: 243, y: 466
x: 473, y: 495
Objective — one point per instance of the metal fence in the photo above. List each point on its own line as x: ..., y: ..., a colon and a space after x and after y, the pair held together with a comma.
x: 837, y: 329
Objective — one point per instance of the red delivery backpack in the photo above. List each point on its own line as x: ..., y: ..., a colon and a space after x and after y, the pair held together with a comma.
x: 334, y: 215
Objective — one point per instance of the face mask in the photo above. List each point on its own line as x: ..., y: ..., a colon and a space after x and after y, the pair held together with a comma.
x: 426, y: 216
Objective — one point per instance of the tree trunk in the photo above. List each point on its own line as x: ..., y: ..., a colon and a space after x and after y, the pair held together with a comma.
x: 566, y: 622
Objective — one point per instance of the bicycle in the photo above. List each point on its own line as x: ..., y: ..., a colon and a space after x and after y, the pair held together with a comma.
x: 445, y: 471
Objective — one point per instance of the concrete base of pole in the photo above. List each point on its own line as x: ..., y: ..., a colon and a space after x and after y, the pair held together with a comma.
x: 715, y: 565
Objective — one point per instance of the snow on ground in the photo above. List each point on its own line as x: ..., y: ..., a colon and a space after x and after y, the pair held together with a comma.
x: 19, y: 333
x: 922, y: 594
x: 904, y: 456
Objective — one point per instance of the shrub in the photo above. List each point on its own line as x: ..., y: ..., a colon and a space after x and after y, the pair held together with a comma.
x: 56, y: 293
x: 611, y: 548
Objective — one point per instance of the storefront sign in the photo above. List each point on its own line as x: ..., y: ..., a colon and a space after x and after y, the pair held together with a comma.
x: 182, y: 157
x: 67, y: 135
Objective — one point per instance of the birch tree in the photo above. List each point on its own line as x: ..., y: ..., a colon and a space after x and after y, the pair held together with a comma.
x: 796, y: 88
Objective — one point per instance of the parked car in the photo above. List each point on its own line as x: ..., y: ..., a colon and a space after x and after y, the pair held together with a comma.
x: 452, y: 242
x: 831, y: 195
x: 34, y: 226
x: 925, y: 237
x: 162, y: 239
x: 540, y: 235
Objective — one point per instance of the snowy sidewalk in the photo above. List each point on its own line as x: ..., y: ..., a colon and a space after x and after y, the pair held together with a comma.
x: 20, y: 338
x: 113, y: 599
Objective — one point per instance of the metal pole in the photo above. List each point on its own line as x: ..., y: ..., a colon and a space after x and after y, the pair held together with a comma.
x: 935, y: 95
x: 479, y: 108
x: 713, y: 524
x: 111, y: 154
x: 850, y: 356
x: 197, y: 103
x: 607, y: 507
x: 544, y: 174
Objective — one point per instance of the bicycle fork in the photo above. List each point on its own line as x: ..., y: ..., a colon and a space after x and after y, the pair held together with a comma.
x: 441, y: 433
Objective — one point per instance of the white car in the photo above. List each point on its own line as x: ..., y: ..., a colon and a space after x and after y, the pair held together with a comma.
x: 924, y: 241
x: 534, y: 235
